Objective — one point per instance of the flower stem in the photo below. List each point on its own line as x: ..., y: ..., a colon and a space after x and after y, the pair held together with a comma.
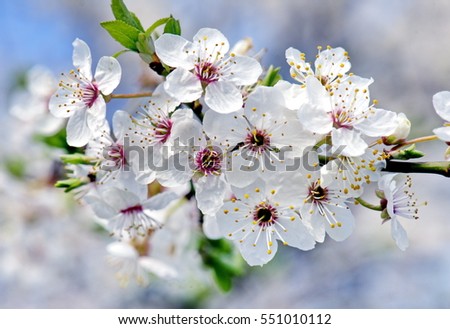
x: 366, y: 204
x: 435, y: 167
x: 136, y: 95
x: 415, y: 140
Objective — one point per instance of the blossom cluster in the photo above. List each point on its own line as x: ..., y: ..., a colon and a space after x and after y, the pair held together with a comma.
x: 263, y: 163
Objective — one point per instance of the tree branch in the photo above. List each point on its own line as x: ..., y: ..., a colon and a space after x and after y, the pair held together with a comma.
x: 435, y: 167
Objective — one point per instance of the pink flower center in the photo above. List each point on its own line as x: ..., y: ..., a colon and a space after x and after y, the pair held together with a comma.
x: 132, y: 210
x: 257, y: 141
x: 341, y: 119
x: 206, y: 72
x: 90, y: 94
x: 265, y: 214
x: 116, y: 153
x: 208, y: 162
x: 163, y: 129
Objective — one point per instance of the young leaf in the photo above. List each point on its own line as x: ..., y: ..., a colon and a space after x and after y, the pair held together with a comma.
x: 156, y: 24
x: 408, y: 153
x: 122, y: 13
x: 272, y: 77
x: 173, y: 26
x: 123, y: 33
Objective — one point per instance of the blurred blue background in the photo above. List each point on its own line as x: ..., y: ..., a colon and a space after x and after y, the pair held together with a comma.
x: 403, y: 45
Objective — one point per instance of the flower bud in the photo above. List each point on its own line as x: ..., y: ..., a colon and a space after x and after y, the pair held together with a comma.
x: 400, y: 133
x: 242, y: 47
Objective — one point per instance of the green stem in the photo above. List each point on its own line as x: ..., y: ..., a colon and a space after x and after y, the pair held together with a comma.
x: 120, y: 53
x: 135, y: 95
x: 435, y: 167
x: 366, y: 204
x: 414, y: 141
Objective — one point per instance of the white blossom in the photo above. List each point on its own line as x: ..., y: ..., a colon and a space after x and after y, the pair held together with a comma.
x: 261, y: 214
x: 202, y: 67
x: 80, y: 95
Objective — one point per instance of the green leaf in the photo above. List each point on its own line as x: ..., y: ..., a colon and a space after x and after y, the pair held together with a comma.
x: 76, y: 158
x: 145, y: 47
x: 408, y: 153
x: 156, y: 24
x: 122, y: 13
x: 221, y: 257
x: 123, y: 33
x: 272, y: 77
x: 69, y: 184
x: 173, y: 26
x: 58, y: 140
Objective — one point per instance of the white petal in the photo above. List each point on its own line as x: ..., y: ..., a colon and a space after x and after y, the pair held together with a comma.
x: 81, y: 58
x: 242, y: 168
x: 443, y: 133
x: 100, y: 207
x: 41, y: 81
x: 223, y: 97
x: 175, y: 170
x: 441, y: 103
x: 97, y: 114
x: 263, y: 107
x: 294, y: 95
x: 119, y: 199
x: 332, y: 62
x: 62, y: 107
x: 210, y: 191
x: 107, y: 74
x: 347, y: 142
x: 317, y: 94
x: 158, y: 268
x: 212, y: 43
x: 257, y: 253
x: 122, y: 250
x: 78, y: 132
x: 315, y: 119
x: 211, y: 227
x: 121, y: 122
x: 225, y: 129
x: 242, y: 70
x: 171, y: 49
x: 296, y: 234
x: 159, y: 201
x: 183, y: 85
x: 399, y: 234
x: 378, y: 123
x: 345, y: 217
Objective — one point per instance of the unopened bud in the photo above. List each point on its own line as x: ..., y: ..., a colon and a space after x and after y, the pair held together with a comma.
x: 400, y: 133
x: 242, y: 47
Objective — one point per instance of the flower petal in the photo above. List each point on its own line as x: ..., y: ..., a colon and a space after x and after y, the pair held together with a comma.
x: 225, y: 129
x: 315, y: 119
x: 378, y: 123
x: 183, y: 85
x: 443, y: 133
x: 212, y: 43
x: 399, y: 234
x: 210, y: 191
x: 441, y: 103
x: 347, y: 142
x: 81, y: 58
x: 242, y: 70
x: 171, y: 50
x: 223, y: 97
x: 78, y: 131
x: 107, y: 74
x: 159, y: 201
x: 346, y: 220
